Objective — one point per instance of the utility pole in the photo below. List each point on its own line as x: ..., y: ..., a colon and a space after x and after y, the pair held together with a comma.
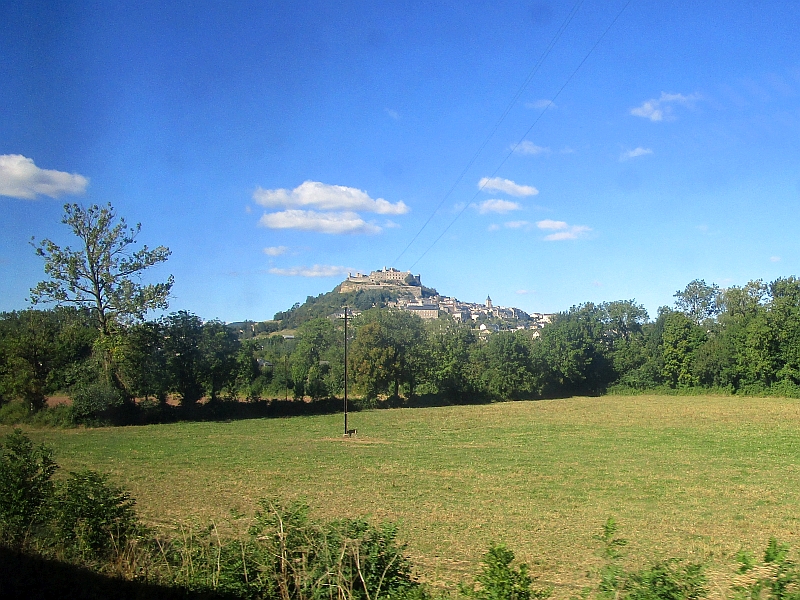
x: 345, y: 370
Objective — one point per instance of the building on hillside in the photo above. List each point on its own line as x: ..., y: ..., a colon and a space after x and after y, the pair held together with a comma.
x: 390, y: 278
x: 425, y: 311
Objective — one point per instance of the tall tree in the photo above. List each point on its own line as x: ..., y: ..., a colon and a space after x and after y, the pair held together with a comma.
x: 102, y: 273
x: 183, y: 334
x: 219, y: 347
x: 698, y: 301
x: 681, y: 338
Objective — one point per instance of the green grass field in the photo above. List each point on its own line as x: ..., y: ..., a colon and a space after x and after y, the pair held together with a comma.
x: 697, y: 477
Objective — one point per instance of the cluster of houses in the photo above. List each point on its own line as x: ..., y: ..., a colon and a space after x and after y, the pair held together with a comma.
x: 411, y: 299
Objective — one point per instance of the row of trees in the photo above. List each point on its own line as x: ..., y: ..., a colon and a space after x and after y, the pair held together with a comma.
x: 97, y: 346
x: 46, y: 352
x: 741, y: 339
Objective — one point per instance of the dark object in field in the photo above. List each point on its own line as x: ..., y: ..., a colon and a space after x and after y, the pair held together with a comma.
x: 351, y: 432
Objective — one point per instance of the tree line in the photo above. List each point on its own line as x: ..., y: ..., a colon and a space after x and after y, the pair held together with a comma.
x: 97, y: 347
x: 737, y: 340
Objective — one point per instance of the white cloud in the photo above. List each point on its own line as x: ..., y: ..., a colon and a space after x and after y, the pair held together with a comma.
x: 516, y: 224
x: 550, y: 224
x: 775, y: 259
x: 528, y: 147
x: 540, y: 104
x: 322, y: 222
x: 563, y: 230
x: 275, y: 250
x: 327, y: 197
x: 314, y: 271
x: 21, y: 178
x: 522, y: 292
x: 497, y: 206
x: 658, y: 109
x: 393, y: 113
x: 498, y: 184
x: 493, y: 227
x: 639, y: 151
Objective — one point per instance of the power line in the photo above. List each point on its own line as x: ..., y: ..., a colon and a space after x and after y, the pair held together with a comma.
x: 561, y: 89
x: 507, y: 110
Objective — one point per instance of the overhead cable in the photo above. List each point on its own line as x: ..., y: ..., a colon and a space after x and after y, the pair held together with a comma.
x: 552, y: 101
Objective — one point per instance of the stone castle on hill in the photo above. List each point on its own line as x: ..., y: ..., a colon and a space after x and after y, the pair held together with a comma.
x: 410, y: 298
x: 401, y: 281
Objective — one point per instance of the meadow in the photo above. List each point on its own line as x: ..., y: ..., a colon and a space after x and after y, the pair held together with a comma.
x: 697, y: 477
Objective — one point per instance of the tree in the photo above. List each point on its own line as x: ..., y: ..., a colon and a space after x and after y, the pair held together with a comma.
x: 388, y: 352
x: 183, y: 333
x: 699, y: 301
x: 42, y: 352
x: 681, y: 338
x: 102, y: 274
x: 509, y: 372
x: 143, y: 364
x: 219, y: 347
x: 452, y: 366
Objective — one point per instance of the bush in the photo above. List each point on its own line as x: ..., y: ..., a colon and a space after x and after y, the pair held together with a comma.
x: 775, y: 578
x: 309, y: 560
x: 498, y: 581
x: 26, y: 489
x: 60, y: 415
x: 669, y: 580
x: 14, y: 413
x: 94, y: 519
x: 93, y: 400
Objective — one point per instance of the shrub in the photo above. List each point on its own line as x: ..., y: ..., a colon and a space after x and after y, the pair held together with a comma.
x: 60, y: 415
x: 26, y: 488
x: 775, y: 578
x: 499, y: 581
x: 94, y: 518
x: 93, y: 400
x: 14, y: 413
x: 346, y: 558
x: 669, y: 580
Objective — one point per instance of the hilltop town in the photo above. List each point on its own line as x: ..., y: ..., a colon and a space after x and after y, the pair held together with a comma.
x: 411, y: 297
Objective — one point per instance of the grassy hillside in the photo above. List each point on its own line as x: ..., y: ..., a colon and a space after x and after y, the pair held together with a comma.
x: 697, y: 476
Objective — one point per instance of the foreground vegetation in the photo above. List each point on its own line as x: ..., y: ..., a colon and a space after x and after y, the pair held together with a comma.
x: 697, y: 478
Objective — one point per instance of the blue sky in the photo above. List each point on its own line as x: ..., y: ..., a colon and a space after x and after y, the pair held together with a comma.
x: 274, y: 146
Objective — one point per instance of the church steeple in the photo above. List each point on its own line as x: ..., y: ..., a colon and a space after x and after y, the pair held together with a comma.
x: 488, y: 302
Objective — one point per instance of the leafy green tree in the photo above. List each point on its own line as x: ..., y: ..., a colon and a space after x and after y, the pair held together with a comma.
x: 42, y: 352
x: 452, y: 369
x: 311, y: 357
x: 183, y: 333
x: 681, y: 338
x: 219, y: 347
x: 625, y: 321
x: 574, y: 352
x: 509, y: 372
x: 388, y: 352
x: 785, y: 324
x: 698, y: 301
x: 143, y: 364
x: 101, y: 274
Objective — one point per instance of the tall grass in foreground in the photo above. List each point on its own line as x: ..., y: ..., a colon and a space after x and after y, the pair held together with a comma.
x: 281, y: 553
